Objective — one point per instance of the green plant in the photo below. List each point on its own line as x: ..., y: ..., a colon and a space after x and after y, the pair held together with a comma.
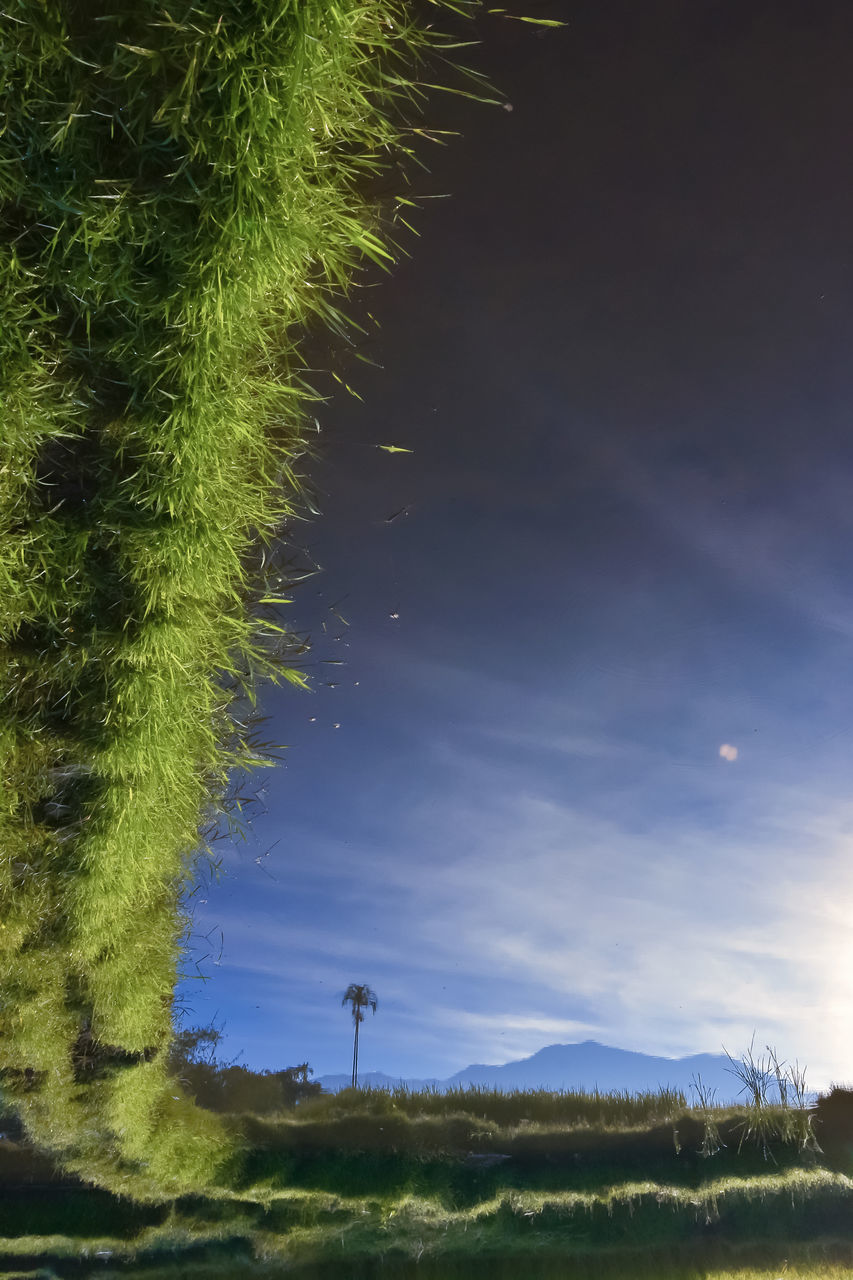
x: 712, y: 1142
x: 184, y: 195
x: 764, y: 1120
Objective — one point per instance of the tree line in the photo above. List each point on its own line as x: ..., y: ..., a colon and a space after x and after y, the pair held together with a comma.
x: 226, y: 1087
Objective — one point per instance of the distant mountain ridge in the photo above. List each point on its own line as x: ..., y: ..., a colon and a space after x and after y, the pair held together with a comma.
x: 577, y: 1066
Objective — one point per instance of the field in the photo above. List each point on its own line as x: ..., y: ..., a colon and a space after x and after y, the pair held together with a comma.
x: 472, y: 1184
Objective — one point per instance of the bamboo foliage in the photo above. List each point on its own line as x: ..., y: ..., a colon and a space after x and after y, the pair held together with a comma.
x: 182, y: 195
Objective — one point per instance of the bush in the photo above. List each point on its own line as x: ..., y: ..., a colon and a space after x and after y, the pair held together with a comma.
x: 833, y: 1124
x: 227, y: 1088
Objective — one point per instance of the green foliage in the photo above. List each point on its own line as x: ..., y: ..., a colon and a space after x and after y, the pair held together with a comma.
x: 184, y: 194
x: 228, y: 1089
x: 617, y: 1109
x: 233, y: 1089
x: 375, y: 1186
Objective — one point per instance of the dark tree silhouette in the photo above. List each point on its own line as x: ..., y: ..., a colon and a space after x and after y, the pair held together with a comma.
x: 228, y: 1088
x: 360, y: 997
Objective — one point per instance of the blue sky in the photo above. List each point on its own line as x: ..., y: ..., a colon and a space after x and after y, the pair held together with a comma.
x: 620, y: 355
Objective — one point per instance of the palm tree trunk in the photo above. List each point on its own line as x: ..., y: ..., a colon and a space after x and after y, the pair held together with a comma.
x: 355, y: 1057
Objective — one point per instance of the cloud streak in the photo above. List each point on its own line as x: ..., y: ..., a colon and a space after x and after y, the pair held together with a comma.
x: 515, y: 917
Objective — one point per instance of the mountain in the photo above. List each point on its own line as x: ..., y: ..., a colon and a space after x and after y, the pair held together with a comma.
x: 376, y: 1080
x: 577, y: 1066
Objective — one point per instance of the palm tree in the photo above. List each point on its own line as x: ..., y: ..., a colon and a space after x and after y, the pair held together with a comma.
x: 360, y: 997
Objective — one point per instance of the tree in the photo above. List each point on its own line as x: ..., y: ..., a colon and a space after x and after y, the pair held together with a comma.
x: 228, y: 1088
x: 360, y: 997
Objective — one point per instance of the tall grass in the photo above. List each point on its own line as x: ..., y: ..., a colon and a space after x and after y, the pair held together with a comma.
x: 616, y: 1109
x: 182, y: 198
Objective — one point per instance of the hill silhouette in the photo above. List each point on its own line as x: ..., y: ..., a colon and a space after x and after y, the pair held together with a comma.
x: 575, y: 1066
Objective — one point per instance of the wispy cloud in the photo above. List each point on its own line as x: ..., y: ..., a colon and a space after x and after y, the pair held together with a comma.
x: 665, y: 933
x: 791, y: 544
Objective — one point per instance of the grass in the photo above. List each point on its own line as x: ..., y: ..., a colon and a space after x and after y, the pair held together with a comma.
x: 389, y: 1183
x: 618, y: 1109
x: 805, y: 1265
x: 184, y: 196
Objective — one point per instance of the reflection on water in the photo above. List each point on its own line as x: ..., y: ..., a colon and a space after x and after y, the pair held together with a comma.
x: 228, y: 1262
x: 152, y: 422
x: 582, y: 1201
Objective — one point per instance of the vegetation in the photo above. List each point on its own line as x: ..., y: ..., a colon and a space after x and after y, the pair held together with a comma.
x: 476, y: 1184
x: 184, y: 195
x: 359, y: 997
x: 227, y: 1088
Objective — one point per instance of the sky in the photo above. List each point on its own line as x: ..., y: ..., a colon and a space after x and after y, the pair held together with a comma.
x: 586, y: 770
